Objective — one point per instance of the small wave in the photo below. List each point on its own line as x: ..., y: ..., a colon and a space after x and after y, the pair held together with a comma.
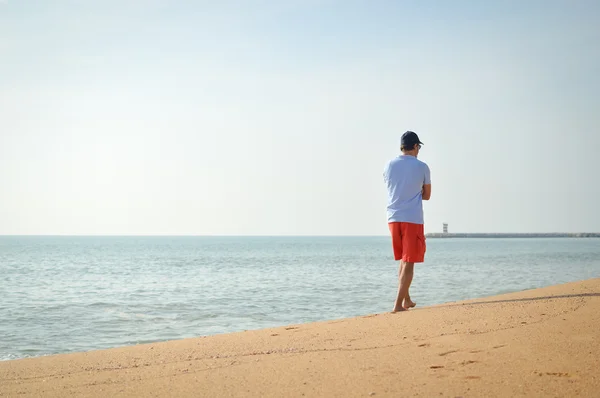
x: 101, y: 304
x: 8, y: 357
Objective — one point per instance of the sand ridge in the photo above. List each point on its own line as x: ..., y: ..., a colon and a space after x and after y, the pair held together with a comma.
x: 543, y: 342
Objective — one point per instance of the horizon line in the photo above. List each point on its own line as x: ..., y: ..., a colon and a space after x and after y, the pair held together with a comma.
x: 283, y: 235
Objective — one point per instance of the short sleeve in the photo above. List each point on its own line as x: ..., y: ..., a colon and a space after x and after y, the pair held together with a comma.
x: 427, y: 176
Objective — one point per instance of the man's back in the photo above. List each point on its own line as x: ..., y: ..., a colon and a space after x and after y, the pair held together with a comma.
x: 405, y: 177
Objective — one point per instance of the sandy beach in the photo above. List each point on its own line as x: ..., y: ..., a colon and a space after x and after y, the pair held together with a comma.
x: 543, y: 342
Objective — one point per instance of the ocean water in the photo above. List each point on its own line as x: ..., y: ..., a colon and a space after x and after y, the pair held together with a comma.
x: 66, y: 294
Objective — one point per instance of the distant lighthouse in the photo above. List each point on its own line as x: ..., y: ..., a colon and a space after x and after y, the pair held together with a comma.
x: 445, y: 227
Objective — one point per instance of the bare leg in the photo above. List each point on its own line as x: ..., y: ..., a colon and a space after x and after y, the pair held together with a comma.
x: 405, y: 279
x: 408, y: 303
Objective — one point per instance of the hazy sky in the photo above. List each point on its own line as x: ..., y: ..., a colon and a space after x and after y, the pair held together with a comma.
x: 278, y: 117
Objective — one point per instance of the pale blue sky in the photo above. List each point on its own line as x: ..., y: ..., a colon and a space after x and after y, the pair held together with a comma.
x: 278, y: 117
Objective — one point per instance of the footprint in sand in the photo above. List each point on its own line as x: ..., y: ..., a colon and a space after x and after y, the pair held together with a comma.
x: 558, y: 374
x: 443, y: 354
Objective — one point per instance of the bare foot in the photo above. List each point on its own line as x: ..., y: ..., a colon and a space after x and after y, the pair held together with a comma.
x: 408, y: 303
x: 398, y: 310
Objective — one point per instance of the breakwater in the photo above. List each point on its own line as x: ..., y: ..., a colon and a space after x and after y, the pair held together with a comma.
x: 513, y: 235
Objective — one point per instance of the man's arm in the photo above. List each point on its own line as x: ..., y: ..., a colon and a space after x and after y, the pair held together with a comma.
x: 426, y: 193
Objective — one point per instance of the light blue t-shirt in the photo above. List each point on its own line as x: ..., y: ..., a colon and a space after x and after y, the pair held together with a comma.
x: 405, y: 177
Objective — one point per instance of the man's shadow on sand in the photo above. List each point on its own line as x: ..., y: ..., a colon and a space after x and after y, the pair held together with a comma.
x: 521, y: 300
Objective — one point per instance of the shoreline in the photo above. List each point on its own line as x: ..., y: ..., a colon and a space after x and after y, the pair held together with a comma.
x: 264, y: 328
x: 549, y: 336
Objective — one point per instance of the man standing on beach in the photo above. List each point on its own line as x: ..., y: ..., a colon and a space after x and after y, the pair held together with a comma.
x: 408, y: 183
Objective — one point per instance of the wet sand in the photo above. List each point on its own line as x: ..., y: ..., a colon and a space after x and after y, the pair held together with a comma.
x: 543, y: 342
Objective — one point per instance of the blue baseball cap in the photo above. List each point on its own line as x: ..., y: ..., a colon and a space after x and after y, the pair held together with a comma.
x: 410, y: 139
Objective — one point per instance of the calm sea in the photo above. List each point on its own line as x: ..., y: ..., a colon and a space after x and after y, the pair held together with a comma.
x: 65, y: 294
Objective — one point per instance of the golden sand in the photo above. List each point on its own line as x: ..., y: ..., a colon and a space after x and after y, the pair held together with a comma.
x: 543, y: 342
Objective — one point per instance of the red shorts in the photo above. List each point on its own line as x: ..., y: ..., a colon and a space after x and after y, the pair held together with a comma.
x: 408, y: 241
